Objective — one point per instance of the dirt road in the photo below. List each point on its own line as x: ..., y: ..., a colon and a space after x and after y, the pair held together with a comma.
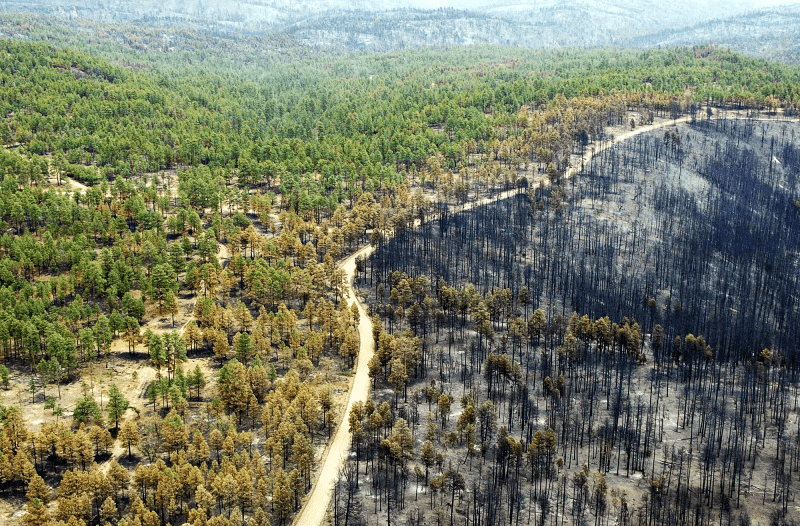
x: 316, y: 505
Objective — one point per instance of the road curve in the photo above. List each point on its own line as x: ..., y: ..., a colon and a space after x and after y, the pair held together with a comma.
x: 316, y: 505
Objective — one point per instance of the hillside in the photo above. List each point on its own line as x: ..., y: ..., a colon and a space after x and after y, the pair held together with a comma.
x: 767, y: 33
x: 595, y: 336
x: 391, y: 25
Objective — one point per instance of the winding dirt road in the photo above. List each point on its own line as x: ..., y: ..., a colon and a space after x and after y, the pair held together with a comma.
x: 316, y: 505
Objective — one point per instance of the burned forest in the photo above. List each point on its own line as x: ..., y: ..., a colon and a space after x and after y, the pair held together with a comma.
x: 617, y: 347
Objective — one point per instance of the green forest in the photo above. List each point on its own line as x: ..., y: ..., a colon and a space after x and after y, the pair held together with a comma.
x: 175, y: 337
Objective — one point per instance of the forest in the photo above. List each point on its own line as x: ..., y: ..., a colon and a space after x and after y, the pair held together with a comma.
x: 584, y: 266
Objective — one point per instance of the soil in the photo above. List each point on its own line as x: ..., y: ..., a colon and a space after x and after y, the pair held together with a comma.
x: 69, y: 184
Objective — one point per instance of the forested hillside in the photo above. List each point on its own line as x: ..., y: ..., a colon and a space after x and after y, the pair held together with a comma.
x: 595, y: 349
x: 538, y: 25
x: 767, y: 33
x: 356, y: 26
x: 174, y: 206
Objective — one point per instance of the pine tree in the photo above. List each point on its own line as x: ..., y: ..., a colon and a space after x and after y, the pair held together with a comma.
x: 117, y: 405
x: 326, y: 402
x: 129, y: 435
x: 197, y: 380
x: 86, y: 410
x: 281, y: 495
x: 221, y: 345
x: 108, y: 511
x: 131, y: 327
x: 427, y: 454
x: 162, y: 282
x: 171, y: 305
x: 243, y: 347
x: 36, y: 513
x: 37, y: 489
x: 350, y: 345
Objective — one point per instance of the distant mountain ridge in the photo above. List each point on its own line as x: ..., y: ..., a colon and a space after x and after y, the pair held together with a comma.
x: 772, y: 33
x: 550, y: 24
x: 361, y: 25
